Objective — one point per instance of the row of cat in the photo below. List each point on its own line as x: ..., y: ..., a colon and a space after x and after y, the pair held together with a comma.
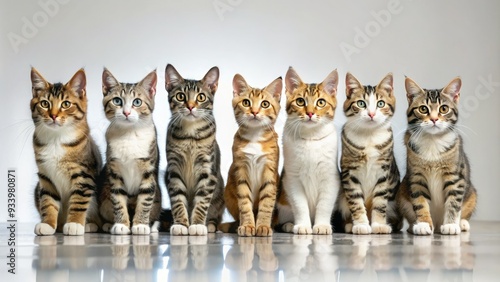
x: 76, y: 194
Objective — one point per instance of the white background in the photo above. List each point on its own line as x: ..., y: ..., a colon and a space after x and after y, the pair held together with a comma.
x: 429, y: 41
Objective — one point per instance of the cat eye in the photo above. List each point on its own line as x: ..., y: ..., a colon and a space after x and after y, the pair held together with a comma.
x: 201, y: 97
x: 265, y: 104
x: 423, y: 109
x: 246, y: 103
x: 361, y: 104
x: 117, y: 101
x: 380, y: 104
x: 300, y: 102
x: 137, y: 102
x: 444, y: 109
x: 321, y: 103
x: 44, y: 104
x: 66, y: 104
x: 180, y: 97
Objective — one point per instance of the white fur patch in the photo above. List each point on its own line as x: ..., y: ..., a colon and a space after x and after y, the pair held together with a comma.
x: 422, y: 228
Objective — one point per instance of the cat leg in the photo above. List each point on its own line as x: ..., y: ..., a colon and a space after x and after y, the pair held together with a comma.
x: 267, y: 200
x: 118, y: 197
x: 380, y: 206
x: 144, y: 204
x: 82, y: 194
x: 245, y: 206
x: 177, y: 191
x: 468, y: 207
x: 324, y: 210
x: 453, y: 191
x: 356, y: 204
x: 48, y: 205
x: 205, y: 188
x: 216, y: 209
x: 300, y: 207
x: 423, y: 222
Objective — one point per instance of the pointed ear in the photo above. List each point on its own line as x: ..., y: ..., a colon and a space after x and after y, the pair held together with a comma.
x: 453, y: 89
x: 387, y: 83
x: 412, y: 89
x: 78, y: 83
x: 330, y: 83
x: 275, y: 88
x: 351, y: 85
x: 211, y: 79
x: 239, y: 85
x: 292, y: 81
x: 172, y: 78
x: 149, y: 83
x: 38, y: 83
x: 108, y: 81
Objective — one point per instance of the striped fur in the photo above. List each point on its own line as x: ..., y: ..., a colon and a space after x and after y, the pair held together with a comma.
x: 129, y: 181
x: 437, y: 190
x: 68, y: 160
x: 310, y: 177
x: 194, y: 182
x: 251, y: 189
x: 369, y: 174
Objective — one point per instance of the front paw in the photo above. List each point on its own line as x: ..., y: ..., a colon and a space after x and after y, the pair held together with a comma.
x: 464, y: 224
x: 106, y: 227
x: 141, y: 229
x: 422, y: 228
x: 91, y: 227
x: 42, y: 229
x: 120, y: 229
x: 287, y: 227
x: 302, y: 230
x: 73, y: 228
x: 450, y: 229
x: 211, y: 227
x: 264, y: 231
x: 361, y: 229
x: 197, y: 230
x: 381, y: 228
x: 178, y: 229
x: 322, y: 229
x: 246, y: 230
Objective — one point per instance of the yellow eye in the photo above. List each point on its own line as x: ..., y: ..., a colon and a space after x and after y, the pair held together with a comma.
x: 44, y: 104
x: 180, y: 97
x: 321, y: 103
x: 444, y: 109
x: 265, y: 104
x: 66, y: 104
x: 201, y: 97
x: 300, y: 102
x: 246, y: 103
x: 423, y: 110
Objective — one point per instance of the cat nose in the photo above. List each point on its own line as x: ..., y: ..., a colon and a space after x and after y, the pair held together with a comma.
x: 371, y: 115
x: 53, y: 117
x: 310, y: 115
x: 254, y: 113
x: 126, y: 113
x: 434, y: 120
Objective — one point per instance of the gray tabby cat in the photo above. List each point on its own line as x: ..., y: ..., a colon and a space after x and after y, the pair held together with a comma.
x: 193, y: 178
x: 130, y: 176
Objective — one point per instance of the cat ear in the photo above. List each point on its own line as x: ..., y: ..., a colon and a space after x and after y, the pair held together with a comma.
x: 453, y: 89
x: 172, y: 78
x: 38, y: 83
x: 149, y: 83
x: 275, y: 88
x: 108, y: 81
x: 239, y: 85
x: 387, y: 83
x: 351, y: 84
x: 211, y: 79
x: 330, y: 83
x: 78, y: 83
x: 292, y: 81
x: 412, y: 89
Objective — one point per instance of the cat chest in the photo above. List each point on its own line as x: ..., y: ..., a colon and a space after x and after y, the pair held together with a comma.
x: 435, y: 184
x: 255, y: 159
x: 52, y: 165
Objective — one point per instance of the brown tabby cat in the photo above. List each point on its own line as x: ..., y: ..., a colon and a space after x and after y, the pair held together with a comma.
x: 437, y: 190
x: 68, y: 160
x: 251, y: 188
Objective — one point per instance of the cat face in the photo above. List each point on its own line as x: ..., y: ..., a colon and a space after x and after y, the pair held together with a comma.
x: 368, y: 106
x: 255, y: 107
x: 432, y: 111
x: 128, y: 103
x: 191, y: 99
x: 310, y: 104
x: 58, y: 105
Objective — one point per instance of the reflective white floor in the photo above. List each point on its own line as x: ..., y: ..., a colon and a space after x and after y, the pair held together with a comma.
x: 473, y: 256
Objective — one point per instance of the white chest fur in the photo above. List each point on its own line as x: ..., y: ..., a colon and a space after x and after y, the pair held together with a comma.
x: 431, y: 146
x: 255, y: 161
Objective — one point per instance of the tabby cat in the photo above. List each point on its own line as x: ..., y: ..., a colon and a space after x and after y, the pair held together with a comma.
x: 437, y: 190
x: 251, y: 188
x: 129, y: 187
x: 193, y: 178
x: 369, y: 174
x: 310, y: 177
x: 68, y: 160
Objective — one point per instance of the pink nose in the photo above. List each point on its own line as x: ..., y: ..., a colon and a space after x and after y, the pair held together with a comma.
x: 310, y: 115
x: 126, y: 114
x: 53, y: 117
x: 371, y: 115
x: 434, y: 120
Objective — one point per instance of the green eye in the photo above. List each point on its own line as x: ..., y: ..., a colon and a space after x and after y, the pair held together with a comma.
x: 137, y: 102
x: 44, y: 104
x: 380, y: 104
x: 361, y: 104
x: 246, y: 103
x: 117, y: 101
x: 66, y: 104
x: 201, y: 97
x: 321, y: 103
x: 180, y: 97
x: 265, y: 104
x: 423, y: 110
x: 444, y: 109
x: 300, y: 102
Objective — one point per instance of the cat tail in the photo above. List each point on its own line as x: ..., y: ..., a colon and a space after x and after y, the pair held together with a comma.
x: 337, y: 222
x: 229, y: 227
x: 166, y: 220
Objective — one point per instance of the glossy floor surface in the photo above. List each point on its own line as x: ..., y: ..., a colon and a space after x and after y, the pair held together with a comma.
x: 473, y: 256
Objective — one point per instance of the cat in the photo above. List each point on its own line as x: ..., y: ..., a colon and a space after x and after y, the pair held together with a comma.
x: 251, y: 188
x: 129, y: 181
x: 310, y: 176
x: 67, y: 157
x: 193, y: 178
x: 369, y: 173
x: 436, y: 190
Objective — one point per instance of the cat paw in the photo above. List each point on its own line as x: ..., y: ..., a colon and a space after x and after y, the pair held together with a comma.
x: 302, y: 230
x: 91, y: 227
x: 120, y: 229
x: 450, y: 229
x: 211, y: 227
x: 287, y: 227
x: 42, y: 229
x: 246, y: 230
x: 464, y: 225
x: 348, y: 228
x: 381, y: 228
x: 156, y: 227
x: 322, y: 229
x: 106, y: 227
x: 197, y: 230
x: 264, y: 231
x: 178, y: 229
x: 141, y: 229
x: 422, y: 228
x: 73, y: 228
x: 361, y: 229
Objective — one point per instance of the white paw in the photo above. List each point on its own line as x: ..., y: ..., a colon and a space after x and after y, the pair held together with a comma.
x: 381, y: 228
x: 178, y: 229
x: 450, y: 229
x: 197, y: 229
x: 73, y: 228
x: 322, y: 229
x: 288, y: 227
x: 302, y: 230
x: 107, y: 227
x: 141, y: 229
x: 464, y: 225
x: 156, y: 227
x: 91, y: 227
x: 211, y: 228
x: 348, y: 228
x: 44, y: 229
x: 361, y: 229
x: 422, y: 228
x: 120, y: 229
